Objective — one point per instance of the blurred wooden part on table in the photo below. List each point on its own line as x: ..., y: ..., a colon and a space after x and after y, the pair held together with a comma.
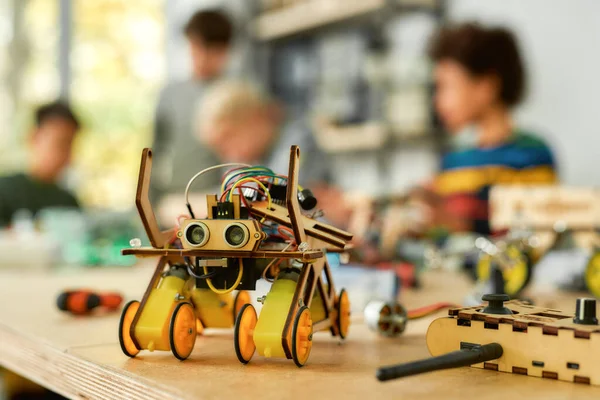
x: 541, y: 207
x: 547, y: 210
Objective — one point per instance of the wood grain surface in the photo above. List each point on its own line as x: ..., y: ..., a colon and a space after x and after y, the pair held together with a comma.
x: 80, y: 357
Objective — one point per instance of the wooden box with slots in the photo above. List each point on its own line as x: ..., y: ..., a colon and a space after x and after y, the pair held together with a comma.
x: 513, y: 337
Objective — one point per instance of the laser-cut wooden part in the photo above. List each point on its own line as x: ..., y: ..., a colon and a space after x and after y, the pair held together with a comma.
x: 313, y: 228
x: 540, y: 206
x: 308, y: 255
x: 157, y: 237
x: 537, y: 341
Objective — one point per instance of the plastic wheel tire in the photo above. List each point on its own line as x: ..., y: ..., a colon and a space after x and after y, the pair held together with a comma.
x: 302, y: 332
x: 125, y: 340
x: 182, y: 331
x: 243, y: 334
x: 343, y: 314
x: 592, y: 275
x: 242, y: 298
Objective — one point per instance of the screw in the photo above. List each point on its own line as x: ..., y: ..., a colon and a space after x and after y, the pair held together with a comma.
x: 179, y: 297
x: 300, y: 303
x: 257, y: 235
x: 303, y: 246
x: 261, y: 299
x: 135, y: 243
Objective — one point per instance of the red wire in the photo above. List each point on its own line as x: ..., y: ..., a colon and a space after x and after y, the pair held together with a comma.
x: 428, y: 310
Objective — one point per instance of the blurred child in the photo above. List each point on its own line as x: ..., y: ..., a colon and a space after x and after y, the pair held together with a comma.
x: 50, y: 148
x: 242, y: 124
x: 480, y: 79
x: 177, y: 153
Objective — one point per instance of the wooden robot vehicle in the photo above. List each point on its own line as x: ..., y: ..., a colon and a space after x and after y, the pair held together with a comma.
x: 254, y: 229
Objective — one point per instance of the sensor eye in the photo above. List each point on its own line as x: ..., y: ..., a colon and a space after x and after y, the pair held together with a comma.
x: 236, y: 235
x: 197, y: 234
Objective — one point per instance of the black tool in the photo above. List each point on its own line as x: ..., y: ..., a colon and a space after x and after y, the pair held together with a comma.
x: 468, y: 355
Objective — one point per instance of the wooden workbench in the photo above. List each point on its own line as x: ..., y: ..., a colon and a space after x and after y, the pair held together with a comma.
x: 80, y: 357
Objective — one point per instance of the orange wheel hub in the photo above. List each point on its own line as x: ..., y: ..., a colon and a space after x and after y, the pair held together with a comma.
x: 244, y: 333
x: 343, y: 309
x: 125, y: 340
x: 302, y: 336
x: 182, y: 332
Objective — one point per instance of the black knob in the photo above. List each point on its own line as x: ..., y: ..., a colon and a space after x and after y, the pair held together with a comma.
x: 585, y: 312
x: 307, y: 199
x: 496, y: 304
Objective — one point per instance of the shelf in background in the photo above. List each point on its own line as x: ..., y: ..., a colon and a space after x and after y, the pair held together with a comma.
x: 303, y: 16
x: 366, y: 137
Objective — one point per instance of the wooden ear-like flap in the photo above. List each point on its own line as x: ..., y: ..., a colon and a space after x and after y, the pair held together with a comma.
x: 158, y: 238
x: 292, y: 203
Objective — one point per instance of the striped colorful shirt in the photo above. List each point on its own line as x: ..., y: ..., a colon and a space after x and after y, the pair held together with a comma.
x: 467, y: 175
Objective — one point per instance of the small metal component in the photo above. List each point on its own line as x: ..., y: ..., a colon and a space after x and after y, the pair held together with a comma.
x: 257, y: 235
x: 300, y: 303
x: 303, y: 246
x: 236, y: 235
x: 261, y: 299
x: 317, y: 214
x: 387, y: 319
x: 135, y: 243
x: 221, y: 262
x: 179, y: 297
x: 197, y: 234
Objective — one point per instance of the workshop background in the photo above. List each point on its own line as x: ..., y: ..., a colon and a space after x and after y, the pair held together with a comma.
x: 366, y: 72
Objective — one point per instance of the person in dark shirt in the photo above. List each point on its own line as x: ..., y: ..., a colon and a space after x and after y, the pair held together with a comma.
x: 177, y: 155
x: 50, y: 146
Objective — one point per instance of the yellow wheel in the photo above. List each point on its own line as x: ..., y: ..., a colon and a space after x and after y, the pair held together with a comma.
x: 241, y: 298
x: 243, y: 334
x: 343, y: 314
x: 592, y: 275
x: 182, y: 330
x: 516, y: 278
x: 125, y: 340
x: 302, y: 332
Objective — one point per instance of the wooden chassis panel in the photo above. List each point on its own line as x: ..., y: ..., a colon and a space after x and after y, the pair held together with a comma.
x: 172, y: 254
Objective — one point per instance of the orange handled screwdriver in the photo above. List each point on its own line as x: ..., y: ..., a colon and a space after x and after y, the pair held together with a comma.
x: 83, y: 301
